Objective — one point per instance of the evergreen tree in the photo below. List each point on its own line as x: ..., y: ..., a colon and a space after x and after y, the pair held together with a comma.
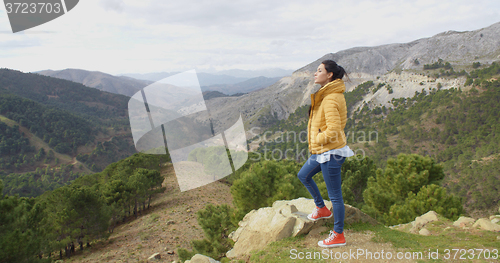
x: 217, y: 224
x: 265, y: 182
x: 22, y: 235
x: 430, y: 197
x: 404, y: 176
x: 355, y: 174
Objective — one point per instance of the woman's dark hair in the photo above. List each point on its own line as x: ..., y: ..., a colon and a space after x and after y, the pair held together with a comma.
x: 338, y: 72
x: 332, y: 66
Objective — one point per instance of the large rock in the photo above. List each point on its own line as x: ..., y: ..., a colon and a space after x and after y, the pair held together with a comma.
x: 284, y: 219
x: 424, y: 232
x: 421, y: 221
x: 198, y: 258
x: 464, y: 221
x: 485, y: 223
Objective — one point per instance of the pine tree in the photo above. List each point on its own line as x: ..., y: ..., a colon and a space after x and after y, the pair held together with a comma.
x: 217, y: 224
x: 265, y: 182
x: 430, y: 197
x: 355, y: 174
x: 402, y: 178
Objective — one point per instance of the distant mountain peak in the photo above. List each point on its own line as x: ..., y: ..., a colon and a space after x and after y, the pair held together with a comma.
x: 461, y: 47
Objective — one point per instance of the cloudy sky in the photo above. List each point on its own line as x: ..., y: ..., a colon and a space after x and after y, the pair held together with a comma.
x: 142, y: 36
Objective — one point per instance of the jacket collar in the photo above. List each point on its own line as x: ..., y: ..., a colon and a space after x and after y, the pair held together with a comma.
x: 335, y: 86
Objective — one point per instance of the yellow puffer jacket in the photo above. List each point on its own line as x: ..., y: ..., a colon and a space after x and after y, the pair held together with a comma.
x: 328, y: 118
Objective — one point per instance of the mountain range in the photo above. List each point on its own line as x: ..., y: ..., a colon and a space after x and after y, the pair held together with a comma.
x: 240, y: 81
x: 102, y: 81
x: 398, y: 63
x: 401, y: 63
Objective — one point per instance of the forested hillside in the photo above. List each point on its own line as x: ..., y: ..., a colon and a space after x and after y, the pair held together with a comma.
x: 92, y: 104
x: 63, y: 131
x: 53, y: 131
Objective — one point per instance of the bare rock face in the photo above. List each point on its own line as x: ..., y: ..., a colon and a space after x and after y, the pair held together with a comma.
x: 284, y: 219
x: 463, y: 48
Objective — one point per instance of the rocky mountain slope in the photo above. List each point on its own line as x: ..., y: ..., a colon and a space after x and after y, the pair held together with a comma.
x: 129, y: 84
x: 463, y: 48
x: 401, y: 64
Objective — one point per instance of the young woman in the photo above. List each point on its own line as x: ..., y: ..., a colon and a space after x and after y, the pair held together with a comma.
x: 328, y: 148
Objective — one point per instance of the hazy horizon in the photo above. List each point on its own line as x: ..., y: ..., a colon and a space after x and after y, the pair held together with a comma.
x: 130, y: 36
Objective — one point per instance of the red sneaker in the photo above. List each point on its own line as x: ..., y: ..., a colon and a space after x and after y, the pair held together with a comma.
x: 320, y: 213
x: 334, y: 240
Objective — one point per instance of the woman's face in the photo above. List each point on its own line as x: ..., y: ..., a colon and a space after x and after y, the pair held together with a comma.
x: 322, y: 77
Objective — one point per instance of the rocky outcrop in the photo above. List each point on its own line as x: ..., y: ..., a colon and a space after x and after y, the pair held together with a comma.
x: 404, y: 85
x: 198, y: 258
x: 284, y: 219
x: 464, y: 222
x: 486, y: 224
x: 419, y: 225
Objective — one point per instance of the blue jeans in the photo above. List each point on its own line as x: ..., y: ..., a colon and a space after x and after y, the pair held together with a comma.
x: 331, y: 174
